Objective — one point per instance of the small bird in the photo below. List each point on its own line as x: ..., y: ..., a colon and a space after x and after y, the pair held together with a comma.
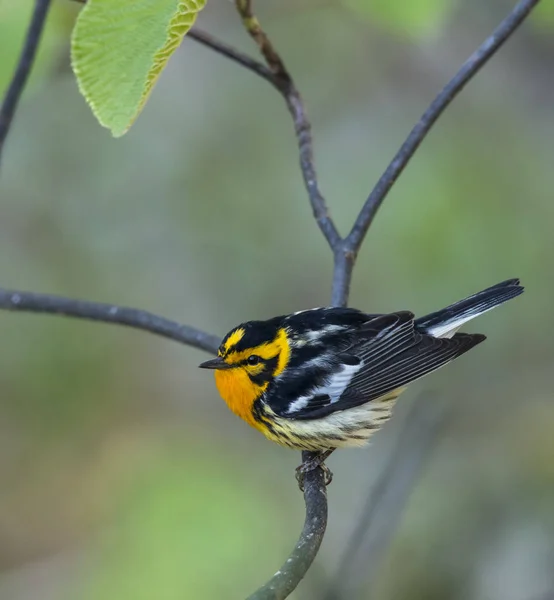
x: 327, y: 378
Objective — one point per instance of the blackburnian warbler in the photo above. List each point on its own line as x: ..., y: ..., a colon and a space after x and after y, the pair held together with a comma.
x: 326, y: 378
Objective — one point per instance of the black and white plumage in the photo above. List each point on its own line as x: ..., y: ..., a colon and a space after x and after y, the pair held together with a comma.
x: 329, y: 377
x: 347, y: 368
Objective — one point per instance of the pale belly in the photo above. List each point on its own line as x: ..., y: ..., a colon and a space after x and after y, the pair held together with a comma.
x: 347, y: 428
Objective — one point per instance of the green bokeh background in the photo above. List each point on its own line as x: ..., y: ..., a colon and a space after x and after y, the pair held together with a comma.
x: 122, y: 474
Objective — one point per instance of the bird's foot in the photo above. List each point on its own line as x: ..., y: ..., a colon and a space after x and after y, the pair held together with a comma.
x: 313, y: 463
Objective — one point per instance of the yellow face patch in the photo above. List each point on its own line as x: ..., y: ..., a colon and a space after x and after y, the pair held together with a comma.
x: 282, y: 342
x: 278, y: 347
x: 235, y: 385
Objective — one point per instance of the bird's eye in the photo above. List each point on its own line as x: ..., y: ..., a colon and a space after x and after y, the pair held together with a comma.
x: 253, y: 360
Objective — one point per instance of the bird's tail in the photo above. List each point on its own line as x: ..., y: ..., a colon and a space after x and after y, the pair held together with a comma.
x: 445, y: 322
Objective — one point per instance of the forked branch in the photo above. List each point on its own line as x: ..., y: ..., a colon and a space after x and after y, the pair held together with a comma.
x: 346, y: 250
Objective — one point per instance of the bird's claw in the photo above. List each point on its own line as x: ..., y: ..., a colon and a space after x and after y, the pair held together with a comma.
x: 310, y: 465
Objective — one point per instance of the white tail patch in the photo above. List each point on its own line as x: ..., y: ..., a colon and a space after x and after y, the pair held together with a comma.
x: 447, y: 329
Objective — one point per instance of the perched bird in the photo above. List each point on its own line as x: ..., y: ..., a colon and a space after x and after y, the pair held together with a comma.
x: 326, y: 378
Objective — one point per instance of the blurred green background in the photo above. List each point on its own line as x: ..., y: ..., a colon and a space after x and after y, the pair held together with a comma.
x: 122, y: 474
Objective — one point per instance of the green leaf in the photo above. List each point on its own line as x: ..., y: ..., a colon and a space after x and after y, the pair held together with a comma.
x: 119, y: 49
x: 412, y: 17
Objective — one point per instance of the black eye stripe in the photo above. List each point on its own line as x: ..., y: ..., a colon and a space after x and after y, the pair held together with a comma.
x: 271, y: 363
x: 266, y: 374
x: 259, y: 379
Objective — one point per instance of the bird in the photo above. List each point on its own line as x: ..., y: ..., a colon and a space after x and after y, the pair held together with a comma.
x: 327, y: 378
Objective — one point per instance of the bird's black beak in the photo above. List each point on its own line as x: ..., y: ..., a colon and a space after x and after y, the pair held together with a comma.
x: 215, y: 363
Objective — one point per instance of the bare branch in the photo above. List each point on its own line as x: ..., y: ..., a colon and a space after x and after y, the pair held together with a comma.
x: 285, y: 84
x: 285, y: 581
x: 252, y: 25
x: 220, y: 47
x: 466, y: 72
x: 23, y: 69
x: 108, y: 313
x: 345, y: 251
x: 342, y: 275
x: 300, y: 559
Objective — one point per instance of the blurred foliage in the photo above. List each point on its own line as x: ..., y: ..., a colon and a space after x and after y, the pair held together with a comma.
x: 544, y: 14
x: 414, y: 18
x: 122, y: 473
x: 173, y: 537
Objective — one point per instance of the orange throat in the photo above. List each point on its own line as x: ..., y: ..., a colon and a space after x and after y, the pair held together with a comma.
x: 239, y: 393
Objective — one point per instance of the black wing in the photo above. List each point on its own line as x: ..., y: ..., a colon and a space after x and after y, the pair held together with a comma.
x: 470, y: 307
x: 392, y: 353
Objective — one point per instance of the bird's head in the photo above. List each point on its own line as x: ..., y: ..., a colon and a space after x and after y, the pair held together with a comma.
x: 249, y: 358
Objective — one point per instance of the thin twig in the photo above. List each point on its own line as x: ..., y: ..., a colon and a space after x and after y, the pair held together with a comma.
x: 252, y: 25
x: 108, y: 313
x: 23, y: 69
x: 302, y: 127
x: 228, y: 51
x: 466, y: 72
x: 283, y: 583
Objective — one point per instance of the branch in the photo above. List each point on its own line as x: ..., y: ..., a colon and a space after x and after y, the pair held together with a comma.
x: 342, y: 275
x: 108, y: 313
x: 220, y: 47
x: 23, y: 69
x: 345, y: 251
x: 466, y: 72
x: 283, y: 583
x: 284, y: 83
